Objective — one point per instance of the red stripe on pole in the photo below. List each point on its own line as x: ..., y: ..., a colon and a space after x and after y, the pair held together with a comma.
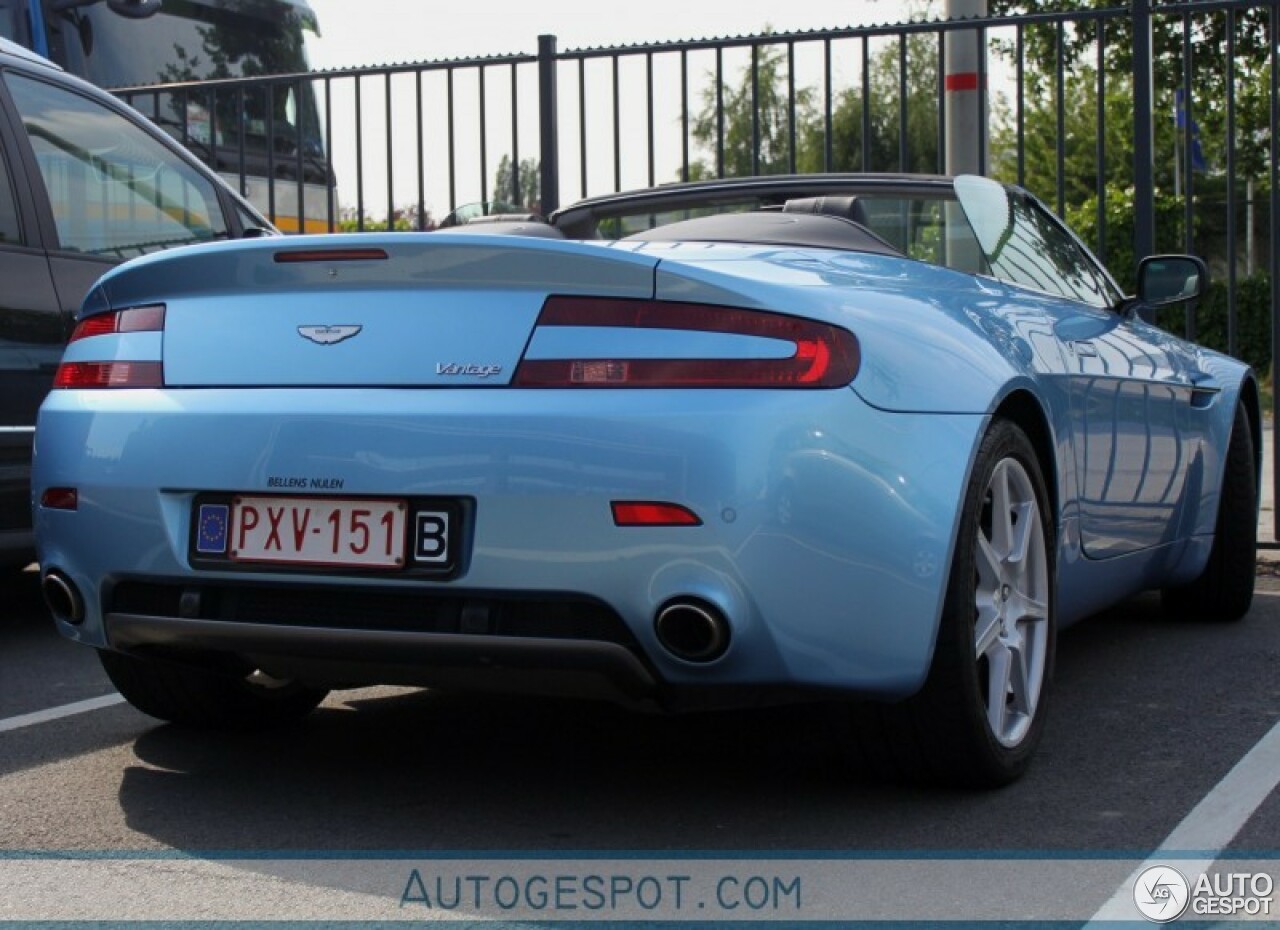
x: 964, y: 81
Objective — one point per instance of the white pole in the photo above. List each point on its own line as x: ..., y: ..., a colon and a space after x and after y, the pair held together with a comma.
x: 966, y: 93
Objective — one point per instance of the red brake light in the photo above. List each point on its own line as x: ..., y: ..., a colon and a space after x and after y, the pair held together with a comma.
x: 109, y: 375
x: 825, y: 356
x: 133, y: 320
x: 648, y: 513
x: 292, y: 256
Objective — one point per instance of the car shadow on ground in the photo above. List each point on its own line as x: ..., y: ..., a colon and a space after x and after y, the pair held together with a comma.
x: 426, y: 770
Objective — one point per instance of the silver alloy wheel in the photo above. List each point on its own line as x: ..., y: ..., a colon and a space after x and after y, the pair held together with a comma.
x: 1011, y: 602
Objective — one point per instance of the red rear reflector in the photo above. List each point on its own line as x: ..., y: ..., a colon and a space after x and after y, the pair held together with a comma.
x: 133, y: 320
x: 109, y: 375
x: 330, y: 255
x: 60, y: 498
x: 648, y: 513
x: 825, y: 356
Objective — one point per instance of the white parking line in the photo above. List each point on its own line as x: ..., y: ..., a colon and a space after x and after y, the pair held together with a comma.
x: 57, y: 713
x: 1211, y: 825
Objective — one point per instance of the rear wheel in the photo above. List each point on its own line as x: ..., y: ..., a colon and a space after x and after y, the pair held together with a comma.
x: 979, y: 717
x: 1224, y: 590
x: 202, y: 697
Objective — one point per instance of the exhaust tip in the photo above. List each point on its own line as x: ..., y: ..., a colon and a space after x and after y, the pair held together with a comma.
x: 62, y: 597
x: 692, y: 630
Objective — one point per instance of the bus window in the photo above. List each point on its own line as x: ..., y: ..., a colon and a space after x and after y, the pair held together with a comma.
x: 13, y: 22
x: 263, y: 140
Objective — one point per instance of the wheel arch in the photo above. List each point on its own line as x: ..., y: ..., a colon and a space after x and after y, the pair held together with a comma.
x: 1023, y: 409
x: 1251, y: 399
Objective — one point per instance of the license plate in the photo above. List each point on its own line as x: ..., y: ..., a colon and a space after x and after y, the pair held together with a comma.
x: 323, y: 531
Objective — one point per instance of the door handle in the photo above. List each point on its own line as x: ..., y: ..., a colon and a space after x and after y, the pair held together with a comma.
x: 1082, y: 347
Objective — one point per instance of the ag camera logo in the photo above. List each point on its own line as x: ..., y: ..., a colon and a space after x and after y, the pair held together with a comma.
x: 1161, y: 894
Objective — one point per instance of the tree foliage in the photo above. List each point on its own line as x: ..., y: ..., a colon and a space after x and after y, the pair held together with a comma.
x: 764, y: 145
x: 530, y: 178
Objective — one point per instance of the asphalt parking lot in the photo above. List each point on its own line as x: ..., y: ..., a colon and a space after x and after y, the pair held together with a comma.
x: 1162, y: 735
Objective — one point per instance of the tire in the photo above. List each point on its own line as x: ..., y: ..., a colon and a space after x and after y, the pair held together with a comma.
x: 200, y: 697
x: 980, y: 715
x: 1224, y: 590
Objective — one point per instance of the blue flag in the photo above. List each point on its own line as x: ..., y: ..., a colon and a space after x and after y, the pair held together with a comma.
x: 1181, y: 121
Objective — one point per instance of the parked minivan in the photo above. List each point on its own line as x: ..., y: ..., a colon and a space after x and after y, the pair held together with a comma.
x: 85, y: 183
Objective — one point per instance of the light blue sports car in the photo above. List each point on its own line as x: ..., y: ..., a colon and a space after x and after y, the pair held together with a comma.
x: 857, y: 439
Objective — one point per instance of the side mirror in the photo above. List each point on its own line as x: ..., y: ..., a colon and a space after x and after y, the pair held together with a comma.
x: 135, y: 9
x: 1171, y: 279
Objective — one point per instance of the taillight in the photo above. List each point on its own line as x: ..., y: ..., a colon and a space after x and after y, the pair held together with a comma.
x: 133, y: 320
x: 820, y: 355
x: 109, y: 375
x: 109, y: 372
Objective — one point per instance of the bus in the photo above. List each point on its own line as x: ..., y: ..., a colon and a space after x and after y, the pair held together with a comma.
x: 171, y: 59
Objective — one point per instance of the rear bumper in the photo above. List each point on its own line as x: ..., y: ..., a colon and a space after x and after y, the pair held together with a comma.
x: 826, y: 529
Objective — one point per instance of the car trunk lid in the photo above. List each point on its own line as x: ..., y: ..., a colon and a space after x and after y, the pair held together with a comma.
x: 408, y: 310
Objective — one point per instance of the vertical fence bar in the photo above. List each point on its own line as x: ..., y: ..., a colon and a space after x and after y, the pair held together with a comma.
x: 517, y: 197
x: 941, y: 92
x: 391, y: 166
x: 1100, y: 153
x: 617, y: 127
x: 360, y: 156
x: 1187, y: 141
x: 213, y: 127
x: 719, y: 112
x: 755, y: 109
x: 299, y: 139
x: 827, y: 142
x: 1232, y: 244
x: 1060, y: 92
x: 270, y: 94
x: 902, y: 102
x: 453, y: 171
x: 648, y: 89
x: 331, y: 206
x: 484, y: 136
x: 791, y: 107
x: 1143, y: 133
x: 984, y: 95
x: 420, y: 110
x: 582, y: 123
x: 684, y: 114
x: 1021, y: 103
x: 866, y: 105
x: 549, y: 127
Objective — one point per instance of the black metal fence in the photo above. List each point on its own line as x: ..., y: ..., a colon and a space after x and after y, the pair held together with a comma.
x: 1151, y: 127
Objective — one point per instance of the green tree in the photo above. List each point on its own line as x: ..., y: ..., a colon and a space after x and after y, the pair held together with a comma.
x: 744, y: 154
x: 773, y: 122
x: 530, y: 183
x: 884, y: 110
x: 1077, y: 42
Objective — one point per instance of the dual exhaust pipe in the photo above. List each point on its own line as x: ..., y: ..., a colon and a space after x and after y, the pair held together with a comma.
x: 689, y: 629
x: 692, y: 630
x: 62, y: 597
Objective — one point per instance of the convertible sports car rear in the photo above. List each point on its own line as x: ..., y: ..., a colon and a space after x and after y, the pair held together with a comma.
x: 672, y: 470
